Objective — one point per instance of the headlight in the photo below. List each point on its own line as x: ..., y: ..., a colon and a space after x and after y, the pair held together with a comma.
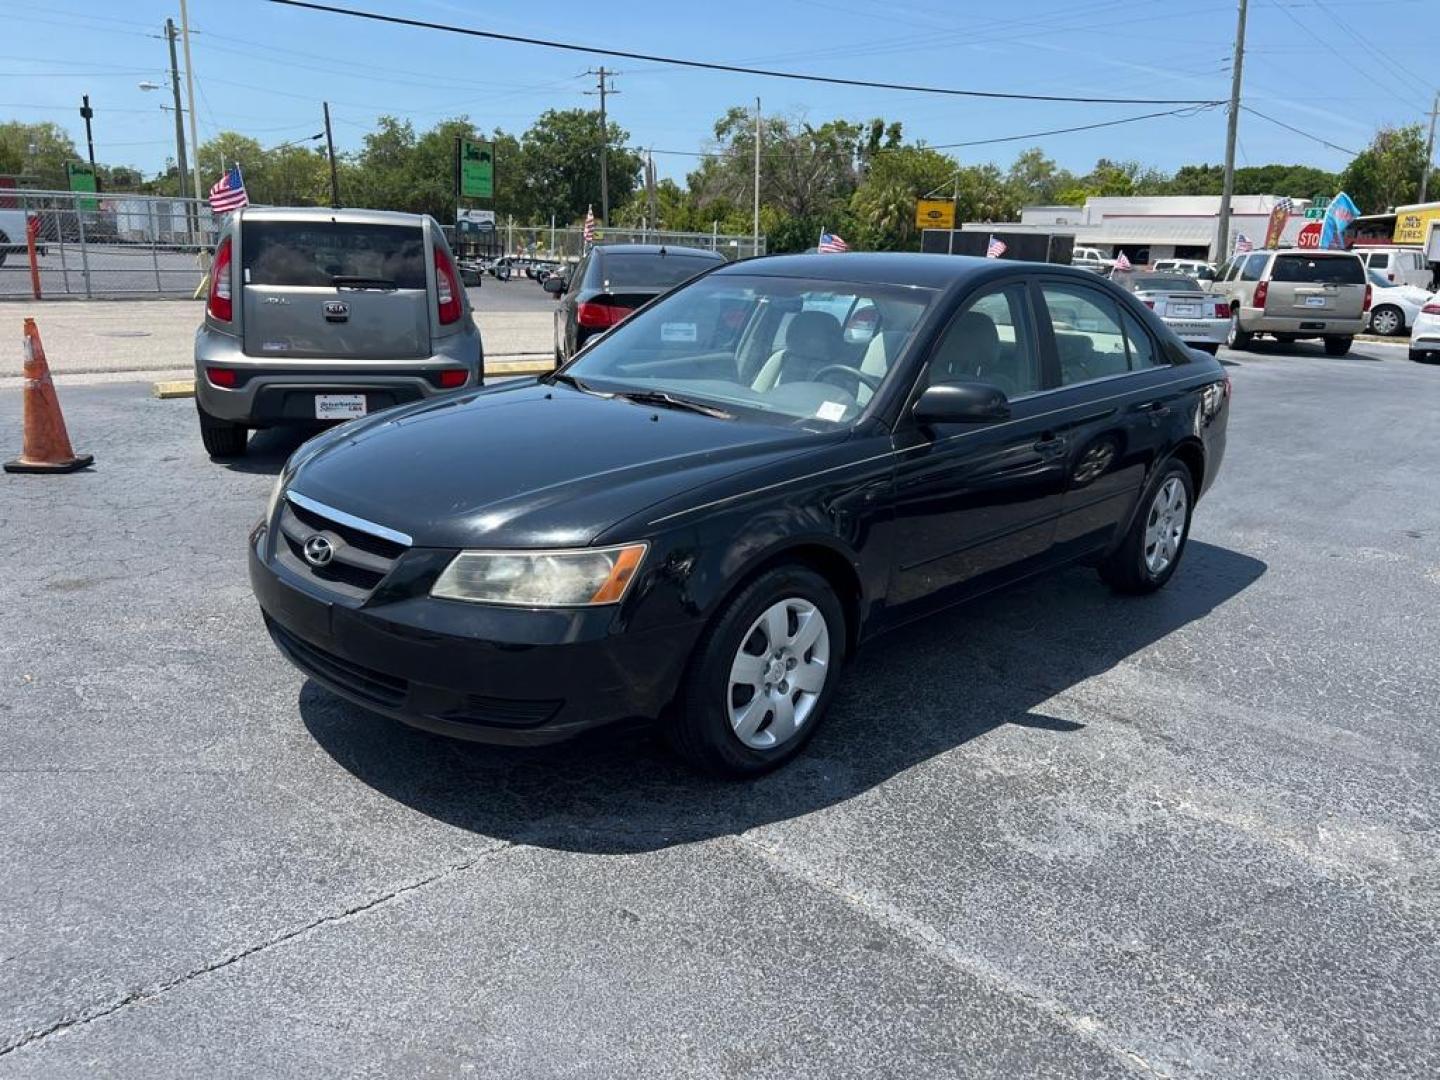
x: 279, y: 490
x: 581, y: 578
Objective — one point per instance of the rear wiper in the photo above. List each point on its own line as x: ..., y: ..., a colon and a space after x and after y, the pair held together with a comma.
x: 660, y: 397
x: 343, y: 281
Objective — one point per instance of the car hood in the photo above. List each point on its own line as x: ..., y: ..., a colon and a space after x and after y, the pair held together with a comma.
x: 527, y: 465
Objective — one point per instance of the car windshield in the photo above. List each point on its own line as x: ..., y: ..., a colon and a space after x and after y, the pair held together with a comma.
x: 650, y: 271
x: 1318, y: 269
x: 787, y: 349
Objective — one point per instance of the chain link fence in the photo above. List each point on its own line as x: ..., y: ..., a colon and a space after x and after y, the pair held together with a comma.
x: 105, y: 245
x: 117, y: 245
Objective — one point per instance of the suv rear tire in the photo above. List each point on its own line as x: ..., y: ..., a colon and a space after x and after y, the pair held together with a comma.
x: 222, y: 438
x: 712, y: 704
x: 1136, y: 566
x: 1237, y: 338
x: 1338, y: 346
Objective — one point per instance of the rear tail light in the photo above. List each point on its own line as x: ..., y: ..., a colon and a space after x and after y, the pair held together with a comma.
x: 1222, y: 309
x: 221, y: 376
x: 449, y: 380
x: 1369, y: 296
x: 447, y: 289
x: 220, y: 305
x: 1149, y: 303
x: 1431, y: 309
x: 1262, y: 293
x: 594, y: 316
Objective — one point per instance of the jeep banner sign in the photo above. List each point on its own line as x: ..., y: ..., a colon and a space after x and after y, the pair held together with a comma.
x: 934, y: 214
x: 475, y: 169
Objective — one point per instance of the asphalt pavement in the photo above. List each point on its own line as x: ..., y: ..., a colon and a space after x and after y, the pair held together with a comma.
x: 1056, y: 833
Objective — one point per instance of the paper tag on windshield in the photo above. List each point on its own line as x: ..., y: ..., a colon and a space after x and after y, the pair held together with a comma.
x: 677, y: 331
x: 830, y: 410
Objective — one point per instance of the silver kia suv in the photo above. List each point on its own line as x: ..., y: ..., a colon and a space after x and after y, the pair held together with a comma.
x: 317, y: 315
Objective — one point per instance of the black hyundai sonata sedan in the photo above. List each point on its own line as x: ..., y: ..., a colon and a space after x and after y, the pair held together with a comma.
x: 702, y: 516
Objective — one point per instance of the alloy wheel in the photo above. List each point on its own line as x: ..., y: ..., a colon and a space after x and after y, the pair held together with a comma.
x: 778, y: 673
x: 1385, y: 321
x: 1165, y: 526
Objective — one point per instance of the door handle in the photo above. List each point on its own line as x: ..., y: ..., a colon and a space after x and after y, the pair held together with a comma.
x: 1154, y: 408
x: 1050, y: 445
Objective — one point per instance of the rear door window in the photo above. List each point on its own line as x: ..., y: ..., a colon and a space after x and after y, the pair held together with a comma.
x: 1089, y: 341
x: 1254, y: 268
x: 314, y: 254
x: 1380, y: 260
x: 650, y: 271
x: 1319, y: 269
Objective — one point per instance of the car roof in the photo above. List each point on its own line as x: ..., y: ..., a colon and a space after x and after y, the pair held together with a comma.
x: 895, y: 268
x: 656, y: 249
x: 325, y: 213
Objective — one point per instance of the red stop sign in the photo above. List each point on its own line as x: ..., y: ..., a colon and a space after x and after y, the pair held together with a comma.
x: 1309, y: 236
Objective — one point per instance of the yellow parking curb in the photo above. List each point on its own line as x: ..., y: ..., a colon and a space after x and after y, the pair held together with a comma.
x: 177, y: 389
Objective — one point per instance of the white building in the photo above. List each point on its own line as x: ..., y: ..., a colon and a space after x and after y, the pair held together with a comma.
x: 1150, y: 227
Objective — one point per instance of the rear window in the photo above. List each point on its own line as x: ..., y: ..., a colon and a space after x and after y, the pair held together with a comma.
x: 650, y: 271
x: 1318, y: 269
x: 1160, y: 283
x: 302, y: 253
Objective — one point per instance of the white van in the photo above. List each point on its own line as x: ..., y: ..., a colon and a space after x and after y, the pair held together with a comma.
x: 1399, y: 265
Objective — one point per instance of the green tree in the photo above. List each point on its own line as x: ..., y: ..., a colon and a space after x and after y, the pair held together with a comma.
x: 1036, y: 179
x: 559, y: 167
x: 38, y: 150
x: 231, y: 148
x: 1387, y: 172
x: 884, y: 203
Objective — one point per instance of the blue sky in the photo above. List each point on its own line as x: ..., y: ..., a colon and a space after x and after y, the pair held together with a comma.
x: 263, y: 70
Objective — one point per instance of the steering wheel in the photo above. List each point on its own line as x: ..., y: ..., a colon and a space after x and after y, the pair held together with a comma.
x: 872, y: 381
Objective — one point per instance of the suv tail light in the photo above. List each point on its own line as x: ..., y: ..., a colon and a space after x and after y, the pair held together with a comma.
x: 1369, y: 296
x: 447, y: 289
x: 220, y: 304
x: 1222, y: 309
x: 1262, y: 293
x: 595, y: 316
x: 1149, y: 303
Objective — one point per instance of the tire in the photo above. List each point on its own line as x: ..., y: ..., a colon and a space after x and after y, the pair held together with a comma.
x: 1387, y: 319
x: 1337, y: 346
x: 1237, y: 338
x: 1138, y: 565
x: 714, y: 708
x: 222, y: 438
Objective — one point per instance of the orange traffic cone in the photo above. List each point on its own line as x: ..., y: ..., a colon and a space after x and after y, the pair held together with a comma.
x: 47, y: 446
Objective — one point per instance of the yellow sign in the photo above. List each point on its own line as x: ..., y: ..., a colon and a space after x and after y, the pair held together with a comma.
x: 1413, y: 226
x: 934, y: 214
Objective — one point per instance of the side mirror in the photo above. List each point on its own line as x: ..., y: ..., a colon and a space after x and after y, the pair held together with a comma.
x: 962, y: 403
x: 554, y: 284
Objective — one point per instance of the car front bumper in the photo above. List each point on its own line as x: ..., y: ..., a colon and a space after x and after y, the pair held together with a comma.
x: 509, y: 676
x: 272, y: 393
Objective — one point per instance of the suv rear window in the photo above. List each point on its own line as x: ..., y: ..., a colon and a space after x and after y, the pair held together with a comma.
x: 650, y: 270
x: 305, y: 253
x: 1319, y: 269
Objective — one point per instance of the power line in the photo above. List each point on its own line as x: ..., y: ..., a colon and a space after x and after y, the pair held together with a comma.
x: 1297, y: 131
x: 395, y: 20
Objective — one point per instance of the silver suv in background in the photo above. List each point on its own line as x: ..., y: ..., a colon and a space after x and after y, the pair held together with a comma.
x: 1293, y: 294
x: 317, y: 315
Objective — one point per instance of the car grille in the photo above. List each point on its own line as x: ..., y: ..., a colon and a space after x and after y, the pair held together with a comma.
x: 364, y: 683
x: 360, y: 561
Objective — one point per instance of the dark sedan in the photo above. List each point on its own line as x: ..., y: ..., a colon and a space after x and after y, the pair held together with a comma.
x: 611, y: 281
x: 775, y: 463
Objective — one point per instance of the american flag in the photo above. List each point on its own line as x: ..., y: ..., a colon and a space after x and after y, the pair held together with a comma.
x: 589, y: 225
x: 1122, y: 262
x: 1243, y: 244
x: 995, y: 249
x: 830, y: 244
x: 229, y: 192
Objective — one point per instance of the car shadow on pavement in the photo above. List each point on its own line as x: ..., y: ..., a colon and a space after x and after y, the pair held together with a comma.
x: 270, y: 449
x: 925, y: 689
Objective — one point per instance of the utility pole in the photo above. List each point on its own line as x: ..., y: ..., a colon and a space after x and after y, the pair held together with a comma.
x: 651, y: 214
x: 755, y: 226
x: 1231, y: 123
x: 190, y: 99
x: 1429, y: 150
x: 603, y: 89
x: 87, y: 113
x: 330, y: 149
x: 170, y: 34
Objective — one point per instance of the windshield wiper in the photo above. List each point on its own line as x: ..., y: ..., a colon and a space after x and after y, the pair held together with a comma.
x: 343, y: 281
x: 661, y: 397
x: 569, y: 380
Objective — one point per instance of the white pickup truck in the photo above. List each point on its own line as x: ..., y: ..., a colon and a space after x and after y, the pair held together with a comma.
x: 12, y: 234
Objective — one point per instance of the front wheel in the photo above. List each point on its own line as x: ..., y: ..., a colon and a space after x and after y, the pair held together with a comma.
x: 1146, y: 559
x: 1337, y: 346
x: 1237, y: 338
x: 762, y: 675
x: 1387, y: 320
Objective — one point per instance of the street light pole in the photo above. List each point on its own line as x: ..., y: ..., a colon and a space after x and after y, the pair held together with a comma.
x: 330, y: 149
x: 87, y: 113
x: 180, y: 162
x: 755, y: 223
x: 1429, y: 151
x: 1231, y: 124
x: 190, y: 96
